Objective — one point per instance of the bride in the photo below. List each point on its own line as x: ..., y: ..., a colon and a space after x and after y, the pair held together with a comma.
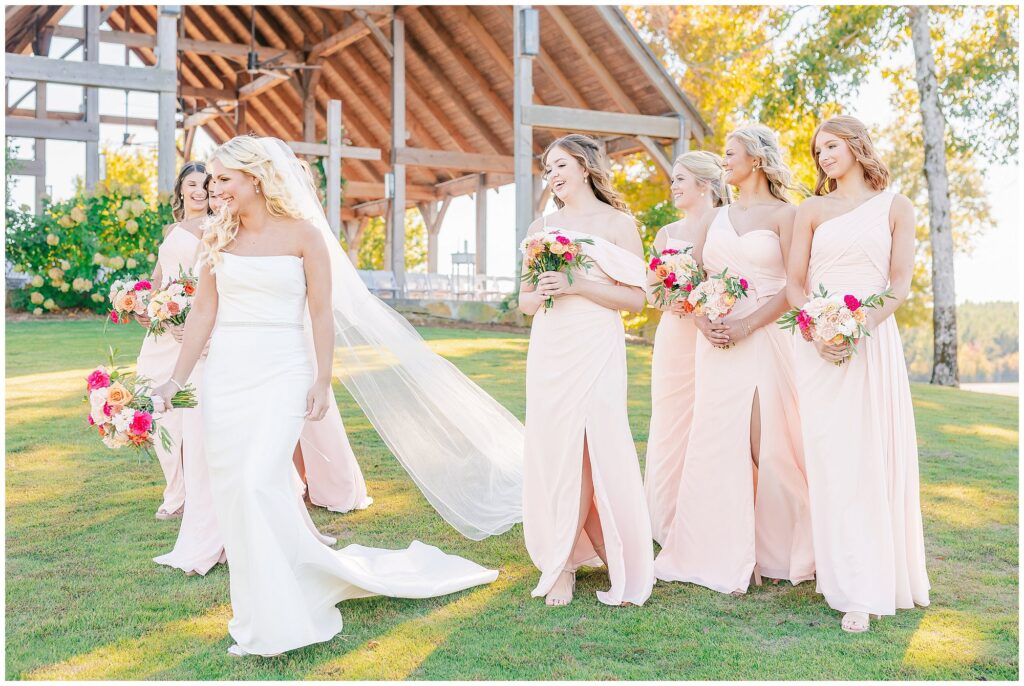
x: 271, y: 267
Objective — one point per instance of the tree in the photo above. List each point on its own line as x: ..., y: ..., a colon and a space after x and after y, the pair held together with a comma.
x: 132, y: 167
x: 371, y: 247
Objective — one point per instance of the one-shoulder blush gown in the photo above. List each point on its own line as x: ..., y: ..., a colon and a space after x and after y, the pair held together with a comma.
x: 859, y: 434
x: 725, y: 528
x: 675, y: 343
x: 576, y: 390
x: 284, y: 582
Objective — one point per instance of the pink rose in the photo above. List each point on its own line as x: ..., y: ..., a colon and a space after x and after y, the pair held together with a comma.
x: 655, y: 263
x: 98, y: 379
x: 173, y: 307
x: 669, y: 251
x: 670, y: 280
x: 563, y: 240
x: 852, y: 303
x: 107, y: 409
x: 568, y: 257
x: 113, y: 317
x: 142, y: 422
x: 688, y: 287
x: 143, y: 286
x: 743, y: 284
x: 91, y: 421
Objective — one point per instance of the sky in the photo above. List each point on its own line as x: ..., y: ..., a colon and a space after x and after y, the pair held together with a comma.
x: 989, y: 272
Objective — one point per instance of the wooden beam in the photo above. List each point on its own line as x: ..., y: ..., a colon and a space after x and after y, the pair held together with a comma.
x: 348, y: 152
x: 92, y: 96
x: 481, y: 225
x: 464, y: 185
x: 571, y: 119
x: 341, y: 40
x: 167, y: 105
x: 484, y: 39
x: 36, y: 168
x: 446, y: 159
x: 78, y: 116
x: 396, y: 217
x: 211, y: 94
x: 260, y: 85
x: 51, y: 129
x: 40, y: 150
x: 332, y: 165
x: 652, y: 67
x: 31, y: 68
x: 657, y: 153
x: 378, y: 35
x: 523, y: 130
x: 375, y: 190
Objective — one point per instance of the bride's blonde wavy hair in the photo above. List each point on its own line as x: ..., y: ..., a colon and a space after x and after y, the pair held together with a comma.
x: 247, y: 155
x: 761, y: 143
x: 853, y: 131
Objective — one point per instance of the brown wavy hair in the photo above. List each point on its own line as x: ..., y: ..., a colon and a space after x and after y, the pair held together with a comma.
x: 855, y: 134
x: 177, y: 202
x: 588, y: 153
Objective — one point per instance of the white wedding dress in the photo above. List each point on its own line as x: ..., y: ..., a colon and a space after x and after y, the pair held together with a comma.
x: 285, y: 582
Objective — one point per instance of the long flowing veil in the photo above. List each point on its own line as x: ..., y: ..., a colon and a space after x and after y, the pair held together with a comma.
x: 460, y: 446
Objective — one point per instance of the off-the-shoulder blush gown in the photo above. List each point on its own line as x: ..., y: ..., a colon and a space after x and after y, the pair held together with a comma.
x: 284, y: 581
x: 576, y: 390
x: 859, y: 434
x: 156, y: 362
x: 725, y: 527
x: 672, y: 374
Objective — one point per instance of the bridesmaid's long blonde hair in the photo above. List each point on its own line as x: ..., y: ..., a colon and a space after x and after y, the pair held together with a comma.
x: 761, y: 143
x: 855, y: 134
x: 247, y: 154
x: 587, y: 152
x: 707, y: 168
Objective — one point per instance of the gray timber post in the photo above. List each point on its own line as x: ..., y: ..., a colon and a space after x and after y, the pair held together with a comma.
x: 167, y: 61
x: 396, y: 223
x: 523, y: 144
x: 332, y: 166
x: 681, y: 145
x: 481, y: 224
x: 92, y: 97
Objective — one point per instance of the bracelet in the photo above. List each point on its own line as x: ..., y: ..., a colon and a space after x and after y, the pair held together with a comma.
x: 747, y: 324
x: 180, y: 387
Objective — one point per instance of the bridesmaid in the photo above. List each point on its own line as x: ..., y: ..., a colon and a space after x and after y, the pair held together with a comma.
x: 697, y: 188
x: 179, y: 249
x: 742, y: 507
x: 857, y: 238
x: 583, y: 501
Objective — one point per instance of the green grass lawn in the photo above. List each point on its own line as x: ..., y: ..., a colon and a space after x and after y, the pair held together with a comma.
x: 85, y: 601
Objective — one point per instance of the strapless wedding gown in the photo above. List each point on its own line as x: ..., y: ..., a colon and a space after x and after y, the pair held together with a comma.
x: 284, y: 582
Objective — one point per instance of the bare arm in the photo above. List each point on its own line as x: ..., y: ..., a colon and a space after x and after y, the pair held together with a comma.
x: 317, y: 264
x: 715, y: 332
x: 529, y: 299
x: 198, y: 326
x: 617, y: 296
x: 799, y: 254
x: 901, y: 261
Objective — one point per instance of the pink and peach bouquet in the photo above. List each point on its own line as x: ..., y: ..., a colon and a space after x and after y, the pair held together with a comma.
x: 552, y: 251
x: 121, y: 409
x: 171, y: 304
x: 128, y: 297
x: 677, y: 274
x: 833, y: 319
x: 716, y: 295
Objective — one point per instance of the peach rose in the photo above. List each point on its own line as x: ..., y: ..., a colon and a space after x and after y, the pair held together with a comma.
x: 127, y: 301
x: 118, y: 395
x: 557, y: 248
x: 661, y: 271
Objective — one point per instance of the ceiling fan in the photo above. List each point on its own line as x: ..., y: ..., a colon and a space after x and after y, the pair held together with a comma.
x: 269, y: 67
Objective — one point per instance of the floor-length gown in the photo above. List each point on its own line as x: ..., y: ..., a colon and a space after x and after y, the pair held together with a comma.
x: 156, y: 361
x: 859, y: 434
x: 576, y: 392
x: 284, y: 582
x: 723, y: 529
x: 671, y: 412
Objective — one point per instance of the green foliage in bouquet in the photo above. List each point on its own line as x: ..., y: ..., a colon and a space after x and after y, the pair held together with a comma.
x: 74, y: 247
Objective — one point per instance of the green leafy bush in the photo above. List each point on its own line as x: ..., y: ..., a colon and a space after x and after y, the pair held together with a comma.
x: 77, y: 246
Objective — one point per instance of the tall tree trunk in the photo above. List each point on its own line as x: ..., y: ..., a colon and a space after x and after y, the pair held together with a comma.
x: 944, y: 363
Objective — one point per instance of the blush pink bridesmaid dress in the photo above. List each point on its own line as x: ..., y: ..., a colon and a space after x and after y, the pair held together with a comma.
x: 672, y: 374
x: 576, y: 391
x: 726, y: 529
x: 156, y: 361
x: 859, y: 434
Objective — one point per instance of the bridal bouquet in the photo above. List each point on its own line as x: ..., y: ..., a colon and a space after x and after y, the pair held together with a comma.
x: 832, y: 319
x: 128, y: 297
x: 677, y: 273
x: 121, y: 409
x: 171, y: 304
x: 715, y: 296
x: 552, y: 251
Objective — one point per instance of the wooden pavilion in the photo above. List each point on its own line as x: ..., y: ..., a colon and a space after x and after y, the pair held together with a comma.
x: 472, y: 94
